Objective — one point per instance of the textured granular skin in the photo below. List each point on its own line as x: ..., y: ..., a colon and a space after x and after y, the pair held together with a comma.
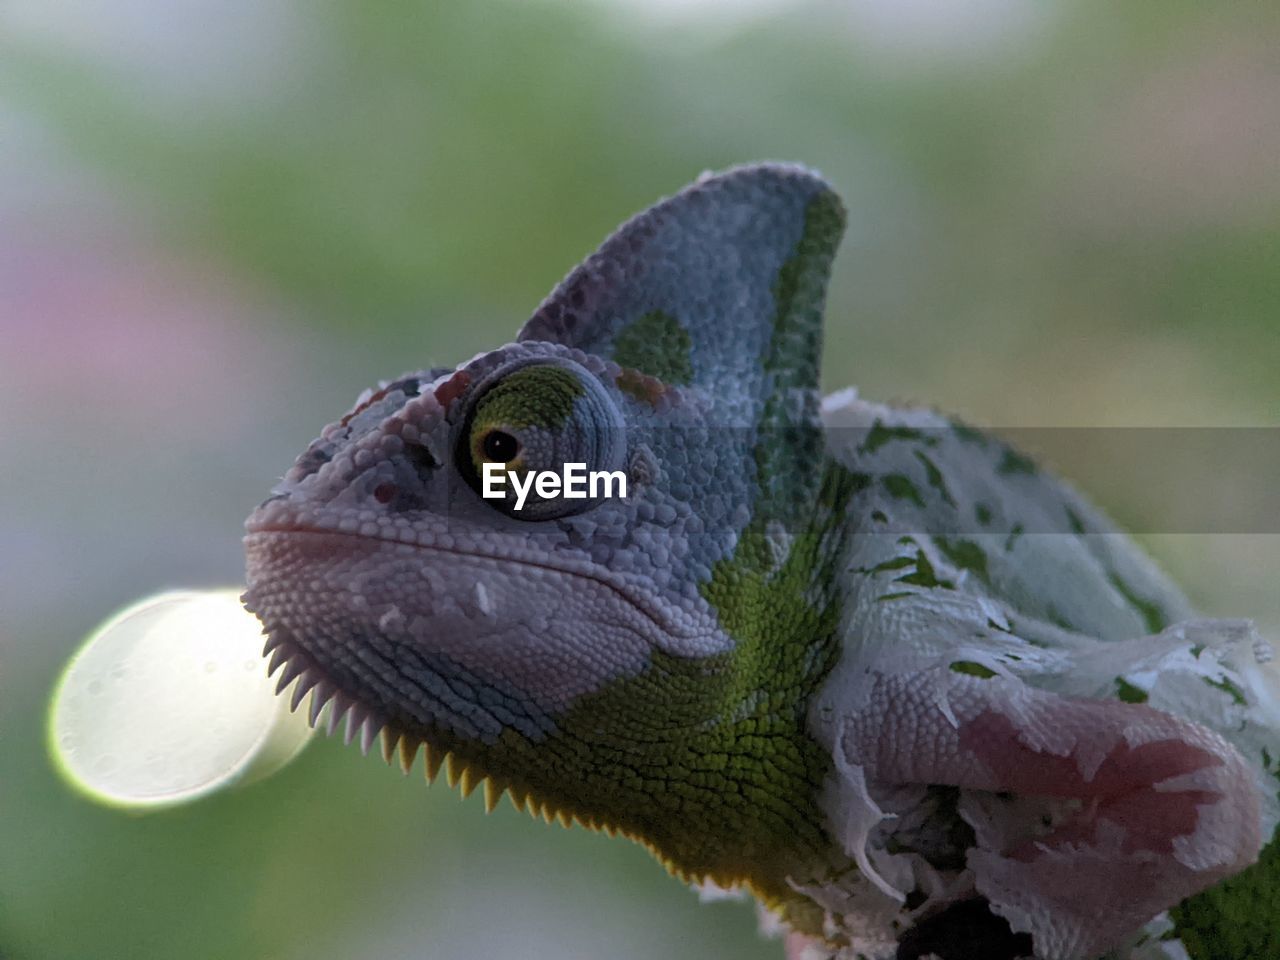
x: 866, y: 663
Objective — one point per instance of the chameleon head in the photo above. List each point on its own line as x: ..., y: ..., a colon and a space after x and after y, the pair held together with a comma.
x: 603, y: 656
x: 378, y: 564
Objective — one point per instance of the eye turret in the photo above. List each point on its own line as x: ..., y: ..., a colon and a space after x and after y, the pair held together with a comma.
x: 534, y: 418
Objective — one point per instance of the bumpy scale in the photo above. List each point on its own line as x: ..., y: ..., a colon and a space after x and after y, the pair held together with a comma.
x: 866, y: 663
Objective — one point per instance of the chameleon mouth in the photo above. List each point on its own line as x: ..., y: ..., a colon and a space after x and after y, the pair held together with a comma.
x: 684, y: 631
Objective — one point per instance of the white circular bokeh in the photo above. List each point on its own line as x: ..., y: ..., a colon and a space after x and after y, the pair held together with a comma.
x: 168, y: 701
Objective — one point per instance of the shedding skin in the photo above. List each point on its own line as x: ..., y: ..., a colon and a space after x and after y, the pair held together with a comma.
x: 1164, y: 806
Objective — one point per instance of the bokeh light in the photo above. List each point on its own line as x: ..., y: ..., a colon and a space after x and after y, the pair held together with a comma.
x: 168, y: 701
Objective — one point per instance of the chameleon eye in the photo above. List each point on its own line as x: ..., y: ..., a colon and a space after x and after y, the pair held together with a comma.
x: 536, y: 417
x: 499, y: 446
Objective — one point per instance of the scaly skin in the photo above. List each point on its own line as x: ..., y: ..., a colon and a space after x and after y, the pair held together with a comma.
x: 863, y: 662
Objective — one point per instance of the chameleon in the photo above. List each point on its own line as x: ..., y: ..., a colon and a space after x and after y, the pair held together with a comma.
x: 866, y: 664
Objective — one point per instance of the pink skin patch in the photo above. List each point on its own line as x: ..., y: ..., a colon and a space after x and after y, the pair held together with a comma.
x: 1166, y: 807
x: 1120, y: 790
x: 800, y: 947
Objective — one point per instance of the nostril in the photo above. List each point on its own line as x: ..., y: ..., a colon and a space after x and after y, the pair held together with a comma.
x: 423, y: 460
x: 401, y: 483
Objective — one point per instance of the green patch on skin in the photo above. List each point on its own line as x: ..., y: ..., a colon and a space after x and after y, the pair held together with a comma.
x: 1074, y: 521
x: 900, y: 487
x: 969, y: 434
x: 897, y: 563
x: 539, y: 395
x: 1152, y: 616
x: 879, y: 516
x: 894, y: 596
x: 983, y: 513
x: 1012, y: 462
x: 879, y: 435
x: 785, y: 621
x: 1127, y: 692
x: 860, y: 482
x: 965, y: 555
x: 1014, y: 533
x: 658, y: 345
x: 934, y: 477
x: 971, y: 669
x: 1226, y: 686
x: 791, y: 442
x: 1235, y: 918
x: 798, y: 292
x: 924, y: 575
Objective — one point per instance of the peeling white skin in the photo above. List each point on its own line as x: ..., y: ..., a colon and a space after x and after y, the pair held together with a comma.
x: 1119, y: 810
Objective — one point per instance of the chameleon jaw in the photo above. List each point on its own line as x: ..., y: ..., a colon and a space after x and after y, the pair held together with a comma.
x: 328, y: 706
x: 312, y: 666
x: 303, y: 681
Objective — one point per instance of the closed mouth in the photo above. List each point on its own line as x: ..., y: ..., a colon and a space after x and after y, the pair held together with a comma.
x: 658, y: 617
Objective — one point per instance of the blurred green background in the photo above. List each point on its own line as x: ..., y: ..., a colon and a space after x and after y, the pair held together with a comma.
x: 219, y: 221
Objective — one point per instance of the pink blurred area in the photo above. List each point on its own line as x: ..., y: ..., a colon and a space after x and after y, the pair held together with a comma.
x: 103, y: 325
x: 131, y: 369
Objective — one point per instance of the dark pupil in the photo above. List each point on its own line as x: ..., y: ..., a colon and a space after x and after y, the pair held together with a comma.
x: 500, y: 447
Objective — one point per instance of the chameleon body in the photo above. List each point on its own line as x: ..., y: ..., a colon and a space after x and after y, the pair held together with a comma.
x: 868, y: 664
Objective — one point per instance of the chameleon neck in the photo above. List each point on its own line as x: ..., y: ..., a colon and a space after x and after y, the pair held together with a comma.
x: 733, y: 800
